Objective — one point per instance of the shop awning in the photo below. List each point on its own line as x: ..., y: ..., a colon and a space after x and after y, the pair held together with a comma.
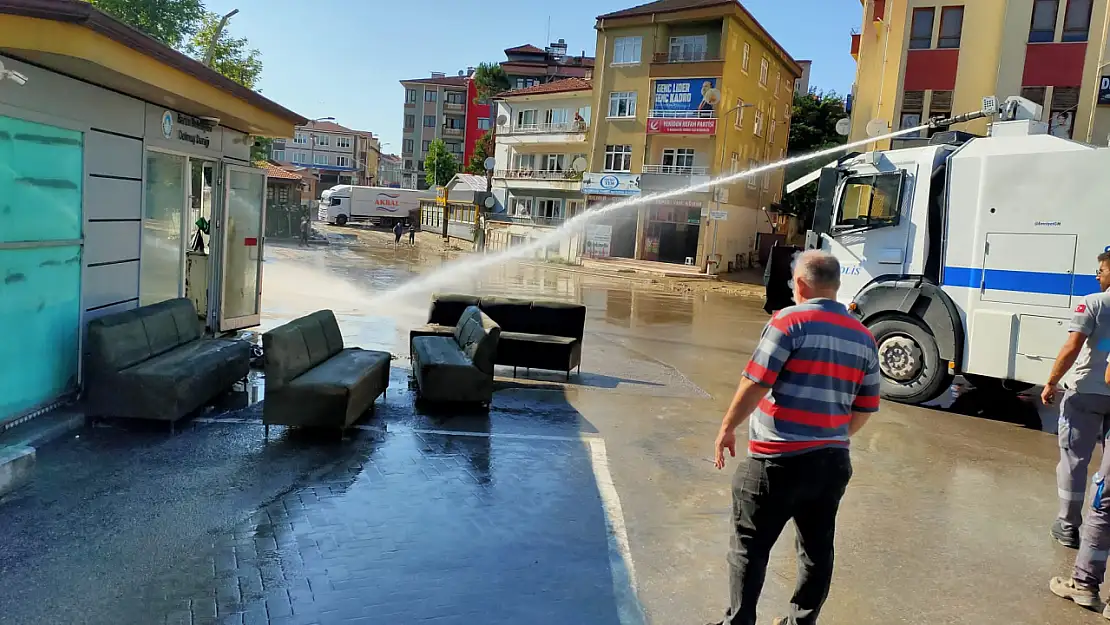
x: 74, y: 38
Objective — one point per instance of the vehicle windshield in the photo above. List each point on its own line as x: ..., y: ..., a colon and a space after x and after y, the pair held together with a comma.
x: 870, y: 201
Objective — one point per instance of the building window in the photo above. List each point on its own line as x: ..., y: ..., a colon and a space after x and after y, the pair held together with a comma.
x: 524, y: 83
x: 734, y: 163
x: 300, y: 138
x: 678, y: 160
x: 410, y: 96
x: 1064, y: 102
x: 455, y: 123
x: 554, y: 162
x: 940, y: 107
x: 424, y: 145
x: 483, y: 123
x: 921, y: 29
x: 951, y: 27
x: 774, y: 127
x: 764, y: 70
x: 430, y: 96
x: 550, y: 209
x: 747, y: 57
x: 342, y: 142
x: 1034, y: 94
x: 626, y: 50
x: 913, y: 107
x: 320, y: 159
x: 556, y: 116
x: 739, y: 113
x: 1077, y: 20
x: 758, y: 129
x: 408, y: 164
x: 323, y: 140
x: 410, y: 121
x: 407, y: 145
x: 455, y: 97
x: 526, y: 119
x: 688, y: 48
x: 753, y: 182
x: 778, y: 82
x: 278, y: 155
x: 524, y: 162
x: 622, y: 104
x: 521, y: 206
x: 342, y: 161
x: 429, y: 121
x: 1042, y: 29
x: 618, y: 158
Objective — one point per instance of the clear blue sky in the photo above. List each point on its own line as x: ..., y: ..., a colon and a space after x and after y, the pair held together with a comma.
x: 344, y: 58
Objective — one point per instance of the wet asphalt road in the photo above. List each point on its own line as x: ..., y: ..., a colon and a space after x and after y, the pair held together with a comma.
x: 519, y: 516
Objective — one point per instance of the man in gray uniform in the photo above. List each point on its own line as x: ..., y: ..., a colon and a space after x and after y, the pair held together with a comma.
x: 1085, y: 408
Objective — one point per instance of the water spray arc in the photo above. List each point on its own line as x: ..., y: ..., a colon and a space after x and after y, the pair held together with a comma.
x: 451, y: 272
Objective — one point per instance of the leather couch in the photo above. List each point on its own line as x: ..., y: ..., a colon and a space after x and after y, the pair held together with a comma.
x: 313, y: 381
x: 457, y: 367
x: 534, y: 334
x: 151, y: 363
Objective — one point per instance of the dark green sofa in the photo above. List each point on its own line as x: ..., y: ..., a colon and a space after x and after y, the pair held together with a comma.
x: 459, y: 367
x: 313, y: 381
x: 151, y: 363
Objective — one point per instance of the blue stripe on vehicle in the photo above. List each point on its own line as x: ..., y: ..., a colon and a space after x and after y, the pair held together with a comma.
x: 1022, y: 281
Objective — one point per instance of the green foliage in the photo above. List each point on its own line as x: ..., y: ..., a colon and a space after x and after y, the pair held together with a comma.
x: 260, y: 148
x: 439, y: 165
x: 489, y: 80
x: 483, y: 149
x: 233, y: 58
x: 170, y: 21
x: 812, y: 128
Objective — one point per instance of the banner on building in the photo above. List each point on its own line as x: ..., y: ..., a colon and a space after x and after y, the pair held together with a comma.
x: 599, y: 240
x: 684, y: 106
x: 681, y: 126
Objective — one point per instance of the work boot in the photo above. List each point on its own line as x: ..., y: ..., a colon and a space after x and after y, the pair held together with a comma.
x: 1068, y: 537
x: 1066, y: 588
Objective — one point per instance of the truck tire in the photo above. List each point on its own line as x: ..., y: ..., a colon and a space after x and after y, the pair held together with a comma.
x: 341, y: 220
x: 912, y: 371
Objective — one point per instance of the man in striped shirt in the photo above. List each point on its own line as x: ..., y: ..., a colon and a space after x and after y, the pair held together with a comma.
x: 812, y: 382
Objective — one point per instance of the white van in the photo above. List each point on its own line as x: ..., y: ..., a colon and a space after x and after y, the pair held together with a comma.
x: 381, y: 206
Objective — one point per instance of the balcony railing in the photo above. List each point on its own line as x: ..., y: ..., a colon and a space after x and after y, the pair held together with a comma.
x: 691, y: 56
x: 676, y: 170
x: 538, y: 174
x: 527, y: 220
x: 454, y: 106
x: 553, y: 128
x: 682, y: 114
x: 452, y: 132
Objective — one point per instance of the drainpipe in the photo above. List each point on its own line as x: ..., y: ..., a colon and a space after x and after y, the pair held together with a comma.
x: 1098, y: 72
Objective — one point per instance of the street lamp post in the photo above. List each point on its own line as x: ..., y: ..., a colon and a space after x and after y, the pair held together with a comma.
x: 216, y: 37
x: 720, y: 171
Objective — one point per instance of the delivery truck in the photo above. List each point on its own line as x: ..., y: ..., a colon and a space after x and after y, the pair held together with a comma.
x: 379, y: 206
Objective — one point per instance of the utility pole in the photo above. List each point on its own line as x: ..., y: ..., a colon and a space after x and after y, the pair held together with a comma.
x: 216, y: 37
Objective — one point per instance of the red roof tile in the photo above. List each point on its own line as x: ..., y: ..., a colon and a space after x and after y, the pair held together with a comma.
x: 525, y: 49
x: 665, y: 6
x: 324, y: 126
x: 449, y: 81
x: 275, y: 171
x: 555, y: 86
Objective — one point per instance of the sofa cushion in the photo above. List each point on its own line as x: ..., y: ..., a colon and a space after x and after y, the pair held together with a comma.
x: 346, y: 370
x: 511, y: 314
x: 186, y: 377
x: 299, y: 345
x: 330, y: 326
x: 444, y: 374
x: 448, y: 308
x: 123, y: 339
x: 557, y: 318
x: 477, y: 336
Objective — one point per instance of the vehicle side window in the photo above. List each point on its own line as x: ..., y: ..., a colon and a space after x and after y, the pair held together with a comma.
x: 870, y: 202
x: 335, y: 201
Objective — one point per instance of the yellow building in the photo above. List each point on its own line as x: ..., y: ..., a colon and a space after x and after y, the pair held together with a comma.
x: 918, y: 59
x: 685, y: 91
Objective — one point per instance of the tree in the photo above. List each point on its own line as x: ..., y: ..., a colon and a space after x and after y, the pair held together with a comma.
x: 260, y: 149
x: 483, y: 149
x: 232, y: 57
x: 489, y: 80
x: 439, y: 165
x: 812, y: 128
x: 170, y: 21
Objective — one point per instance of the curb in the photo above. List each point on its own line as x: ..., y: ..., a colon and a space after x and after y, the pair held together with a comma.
x: 16, y: 464
x: 17, y: 445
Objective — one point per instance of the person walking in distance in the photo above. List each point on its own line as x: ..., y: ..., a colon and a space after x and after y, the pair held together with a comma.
x: 398, y: 230
x: 1090, y: 563
x: 1085, y: 407
x: 412, y: 234
x: 306, y: 226
x: 812, y: 383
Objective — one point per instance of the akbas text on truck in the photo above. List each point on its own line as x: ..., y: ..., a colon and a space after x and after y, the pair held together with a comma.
x: 963, y: 254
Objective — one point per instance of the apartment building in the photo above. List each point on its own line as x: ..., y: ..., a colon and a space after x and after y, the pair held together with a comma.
x: 389, y: 171
x: 541, y: 154
x: 329, y: 151
x: 436, y: 108
x: 685, y: 90
x: 933, y: 58
x: 367, y: 157
x: 528, y: 65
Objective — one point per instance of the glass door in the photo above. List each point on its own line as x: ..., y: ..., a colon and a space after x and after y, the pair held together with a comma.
x: 241, y: 240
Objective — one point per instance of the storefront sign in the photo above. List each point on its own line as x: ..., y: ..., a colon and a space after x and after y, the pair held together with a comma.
x: 599, y: 239
x: 681, y: 126
x: 176, y: 131
x: 718, y: 215
x: 187, y: 128
x: 1104, y: 90
x: 610, y: 184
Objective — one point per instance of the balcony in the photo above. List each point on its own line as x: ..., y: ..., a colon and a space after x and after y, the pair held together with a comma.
x: 550, y: 128
x: 856, y: 37
x: 409, y: 104
x: 452, y: 132
x: 454, y: 106
x: 686, y: 56
x: 676, y: 170
x: 672, y: 177
x: 540, y: 179
x: 526, y: 220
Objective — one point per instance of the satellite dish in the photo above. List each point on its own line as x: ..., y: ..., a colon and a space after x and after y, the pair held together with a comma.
x: 489, y: 163
x: 489, y: 202
x: 502, y: 120
x: 843, y: 127
x: 461, y: 73
x: 579, y: 164
x: 877, y: 128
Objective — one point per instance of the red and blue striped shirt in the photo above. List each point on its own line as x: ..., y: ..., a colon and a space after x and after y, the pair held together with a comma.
x: 821, y: 365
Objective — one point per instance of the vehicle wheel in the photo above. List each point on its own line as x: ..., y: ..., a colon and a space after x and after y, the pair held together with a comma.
x: 994, y: 385
x: 912, y: 371
x: 341, y: 220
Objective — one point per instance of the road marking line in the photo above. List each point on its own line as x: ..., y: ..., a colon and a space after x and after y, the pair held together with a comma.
x: 629, y: 610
